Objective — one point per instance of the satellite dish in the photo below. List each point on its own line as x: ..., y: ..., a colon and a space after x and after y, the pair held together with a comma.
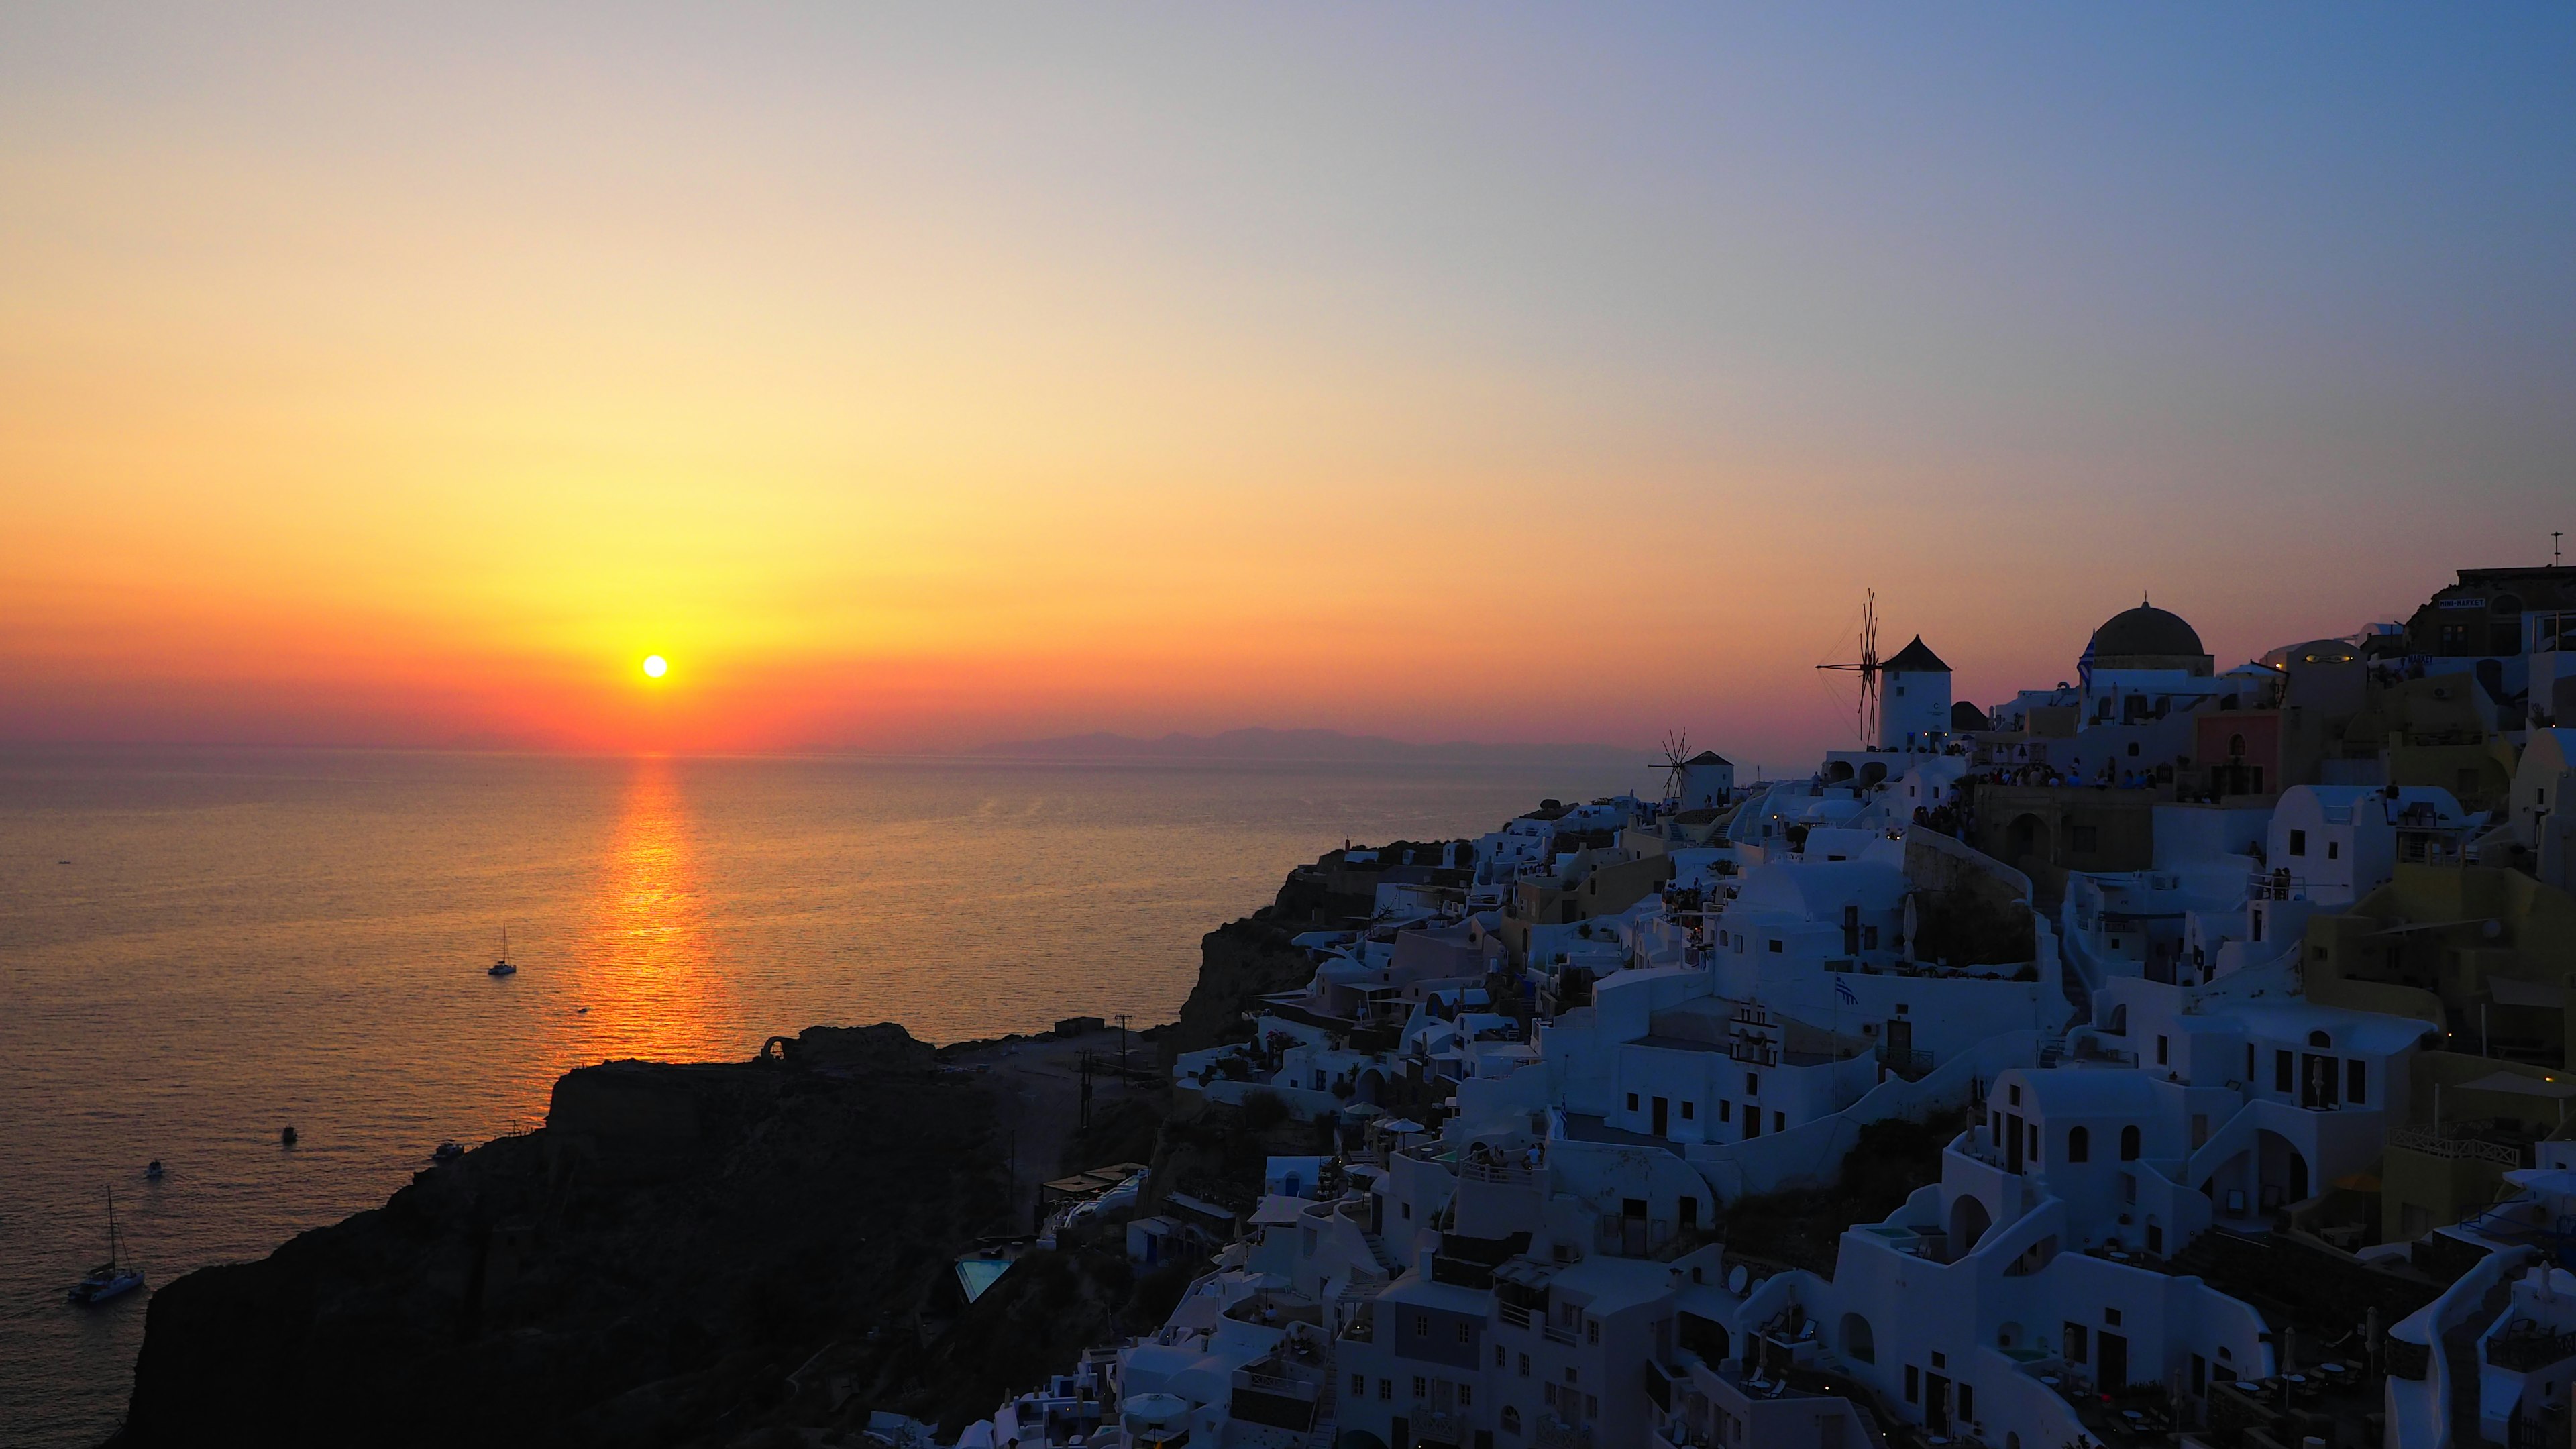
x: 1736, y: 1278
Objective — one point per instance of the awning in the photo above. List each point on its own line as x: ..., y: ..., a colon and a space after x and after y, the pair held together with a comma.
x: 2521, y: 1086
x: 2509, y: 992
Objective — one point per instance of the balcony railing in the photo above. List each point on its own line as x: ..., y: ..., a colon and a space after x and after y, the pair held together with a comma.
x: 1554, y: 1433
x: 2456, y: 1149
x: 2529, y: 1349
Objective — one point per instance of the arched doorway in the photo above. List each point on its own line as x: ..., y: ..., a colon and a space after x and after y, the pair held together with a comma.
x: 1859, y: 1344
x: 2280, y: 1171
x: 2026, y: 839
x: 1968, y: 1222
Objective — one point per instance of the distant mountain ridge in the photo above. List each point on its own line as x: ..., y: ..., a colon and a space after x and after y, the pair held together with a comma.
x: 1331, y: 746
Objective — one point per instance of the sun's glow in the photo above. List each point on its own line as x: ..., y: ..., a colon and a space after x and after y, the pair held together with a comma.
x: 656, y: 666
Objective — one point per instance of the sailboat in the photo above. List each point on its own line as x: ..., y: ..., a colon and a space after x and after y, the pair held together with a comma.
x: 503, y: 967
x: 114, y: 1276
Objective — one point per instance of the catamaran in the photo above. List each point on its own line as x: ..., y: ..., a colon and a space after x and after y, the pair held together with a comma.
x: 114, y: 1276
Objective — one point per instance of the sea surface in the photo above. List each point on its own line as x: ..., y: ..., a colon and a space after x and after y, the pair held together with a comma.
x: 200, y: 947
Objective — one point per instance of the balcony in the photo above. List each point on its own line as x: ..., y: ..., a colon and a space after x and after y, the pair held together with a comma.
x: 2459, y: 1146
x: 1550, y: 1432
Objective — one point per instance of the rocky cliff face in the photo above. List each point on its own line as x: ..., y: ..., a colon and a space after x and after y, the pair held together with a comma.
x: 729, y: 1254
x: 650, y: 1268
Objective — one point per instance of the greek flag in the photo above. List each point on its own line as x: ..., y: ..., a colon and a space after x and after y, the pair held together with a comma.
x: 1843, y: 992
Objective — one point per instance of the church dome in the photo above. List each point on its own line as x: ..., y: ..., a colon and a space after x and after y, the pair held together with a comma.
x: 2145, y: 630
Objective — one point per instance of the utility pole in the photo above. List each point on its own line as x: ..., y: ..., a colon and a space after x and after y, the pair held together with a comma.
x: 1122, y: 1049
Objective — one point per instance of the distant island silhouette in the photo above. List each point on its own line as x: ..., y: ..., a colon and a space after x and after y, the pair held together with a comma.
x: 1321, y: 745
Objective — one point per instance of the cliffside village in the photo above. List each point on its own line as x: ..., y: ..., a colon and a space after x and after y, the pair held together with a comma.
x: 2232, y: 1007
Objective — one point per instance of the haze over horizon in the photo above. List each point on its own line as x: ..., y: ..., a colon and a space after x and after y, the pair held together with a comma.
x: 917, y: 379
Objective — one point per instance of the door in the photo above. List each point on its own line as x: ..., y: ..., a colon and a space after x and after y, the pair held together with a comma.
x: 1400, y: 1433
x: 2113, y: 1359
x: 2012, y: 1142
x: 1663, y: 1110
x: 1936, y: 1403
x: 2318, y: 1078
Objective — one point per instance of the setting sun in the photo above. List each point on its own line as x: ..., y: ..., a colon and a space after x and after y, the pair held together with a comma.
x: 656, y: 666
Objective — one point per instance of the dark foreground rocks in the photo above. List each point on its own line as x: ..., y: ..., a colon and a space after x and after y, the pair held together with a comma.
x: 652, y: 1267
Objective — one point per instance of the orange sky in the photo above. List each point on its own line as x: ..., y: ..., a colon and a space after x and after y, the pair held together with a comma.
x: 363, y: 383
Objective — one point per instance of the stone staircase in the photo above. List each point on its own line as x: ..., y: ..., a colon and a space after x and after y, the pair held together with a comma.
x: 1384, y: 1255
x: 1326, y: 1404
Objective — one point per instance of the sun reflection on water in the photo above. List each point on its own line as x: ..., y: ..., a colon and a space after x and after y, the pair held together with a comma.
x: 651, y: 989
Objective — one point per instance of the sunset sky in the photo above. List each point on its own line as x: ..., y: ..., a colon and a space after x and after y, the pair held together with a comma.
x: 915, y: 378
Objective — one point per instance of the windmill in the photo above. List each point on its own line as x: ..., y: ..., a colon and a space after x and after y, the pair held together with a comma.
x: 1866, y: 667
x: 1676, y: 755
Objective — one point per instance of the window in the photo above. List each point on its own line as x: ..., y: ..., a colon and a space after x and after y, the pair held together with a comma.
x: 1421, y: 1390
x: 1726, y: 1111
x: 1465, y: 1335
x: 1775, y: 945
x: 1511, y: 1420
x: 2164, y: 1050
x: 1592, y: 1330
x: 1524, y: 1365
x: 1686, y: 1111
x: 2334, y: 850
x: 1498, y: 1355
x: 1466, y: 1396
x: 1386, y: 1391
x: 2033, y: 1148
x: 1779, y: 1121
x: 1359, y: 1386
x: 2012, y: 1094
x: 1632, y: 1101
x: 1422, y: 1325
x: 2284, y: 1078
x: 2356, y: 1082
x: 2076, y: 1348
x: 2111, y: 1316
x: 1967, y: 1395
x: 2298, y: 842
x: 1753, y: 1084
x: 1869, y: 938
x: 2129, y: 1143
x: 2079, y: 1145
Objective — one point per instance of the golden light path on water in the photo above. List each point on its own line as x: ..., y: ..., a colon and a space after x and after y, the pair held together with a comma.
x: 648, y: 978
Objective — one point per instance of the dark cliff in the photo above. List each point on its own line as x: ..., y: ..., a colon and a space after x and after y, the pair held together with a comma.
x: 652, y: 1267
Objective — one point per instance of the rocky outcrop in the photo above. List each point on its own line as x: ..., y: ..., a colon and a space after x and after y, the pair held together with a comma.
x: 652, y: 1267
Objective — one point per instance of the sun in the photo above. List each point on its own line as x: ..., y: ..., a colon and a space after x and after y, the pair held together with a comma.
x: 655, y: 666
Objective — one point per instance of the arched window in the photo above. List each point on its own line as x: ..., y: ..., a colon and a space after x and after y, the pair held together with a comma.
x: 2079, y: 1145
x: 2319, y: 1039
x: 2236, y: 747
x: 2129, y: 1144
x: 1511, y: 1420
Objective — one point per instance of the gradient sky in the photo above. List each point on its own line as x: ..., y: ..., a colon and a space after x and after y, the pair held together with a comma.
x: 404, y: 376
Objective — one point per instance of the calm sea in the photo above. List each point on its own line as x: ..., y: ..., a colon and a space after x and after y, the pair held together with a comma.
x: 200, y: 947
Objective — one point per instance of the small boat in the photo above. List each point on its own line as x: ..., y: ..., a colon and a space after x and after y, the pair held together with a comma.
x: 287, y: 1137
x: 152, y: 1170
x: 503, y: 967
x: 114, y: 1276
x: 447, y: 1152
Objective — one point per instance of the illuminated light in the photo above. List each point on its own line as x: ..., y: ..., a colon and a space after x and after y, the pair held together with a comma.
x: 656, y: 666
